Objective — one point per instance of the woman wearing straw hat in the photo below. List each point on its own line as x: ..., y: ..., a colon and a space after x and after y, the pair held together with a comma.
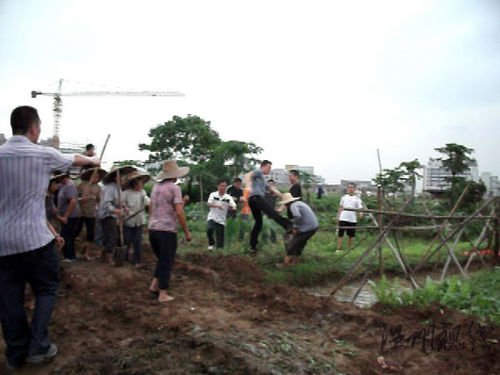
x: 89, y: 194
x: 305, y: 224
x: 165, y: 211
x: 135, y: 200
x: 111, y: 208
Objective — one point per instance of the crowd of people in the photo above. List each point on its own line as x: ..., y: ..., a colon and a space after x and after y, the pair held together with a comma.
x: 43, y: 210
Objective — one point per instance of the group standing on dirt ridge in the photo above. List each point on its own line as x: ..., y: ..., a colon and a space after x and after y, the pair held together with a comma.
x: 43, y: 211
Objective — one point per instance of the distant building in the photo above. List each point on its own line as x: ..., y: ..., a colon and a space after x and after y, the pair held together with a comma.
x: 435, y: 176
x: 2, y: 139
x: 280, y: 176
x: 492, y: 184
x: 315, y: 179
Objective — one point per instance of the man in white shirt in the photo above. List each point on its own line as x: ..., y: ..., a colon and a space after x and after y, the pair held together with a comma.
x: 219, y: 203
x: 347, y: 219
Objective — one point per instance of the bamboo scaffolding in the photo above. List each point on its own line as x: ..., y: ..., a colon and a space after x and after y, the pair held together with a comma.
x: 451, y: 251
x: 443, y: 226
x: 399, y: 257
x: 475, y: 245
x: 460, y: 226
x: 367, y: 251
x: 405, y: 228
x: 450, y: 257
x: 421, y: 216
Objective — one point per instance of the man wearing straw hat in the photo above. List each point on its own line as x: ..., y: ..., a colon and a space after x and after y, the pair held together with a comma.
x: 111, y: 209
x: 165, y: 211
x: 27, y: 252
x: 89, y: 195
x: 135, y: 200
x: 305, y: 224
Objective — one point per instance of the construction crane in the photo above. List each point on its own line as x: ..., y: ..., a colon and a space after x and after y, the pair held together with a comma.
x: 57, y: 108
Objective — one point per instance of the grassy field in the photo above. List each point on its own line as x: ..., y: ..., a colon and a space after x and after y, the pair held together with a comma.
x: 320, y: 262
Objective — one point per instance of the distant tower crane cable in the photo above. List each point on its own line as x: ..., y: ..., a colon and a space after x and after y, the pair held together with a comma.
x: 57, y: 108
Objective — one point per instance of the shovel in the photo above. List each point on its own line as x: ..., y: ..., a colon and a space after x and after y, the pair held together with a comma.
x: 122, y: 249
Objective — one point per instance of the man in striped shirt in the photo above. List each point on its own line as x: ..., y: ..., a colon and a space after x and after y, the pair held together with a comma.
x: 27, y: 251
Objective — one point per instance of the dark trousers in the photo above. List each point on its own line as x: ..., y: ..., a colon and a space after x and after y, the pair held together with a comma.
x: 212, y: 227
x: 258, y: 205
x: 164, y: 246
x: 89, y: 223
x: 69, y: 232
x: 109, y: 234
x: 39, y: 268
x: 133, y: 236
x: 296, y: 244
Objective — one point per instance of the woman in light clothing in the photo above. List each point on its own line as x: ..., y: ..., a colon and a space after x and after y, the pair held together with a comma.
x: 135, y: 200
x: 165, y: 211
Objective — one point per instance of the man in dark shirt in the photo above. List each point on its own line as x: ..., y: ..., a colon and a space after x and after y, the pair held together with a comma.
x: 294, y: 178
x: 236, y: 192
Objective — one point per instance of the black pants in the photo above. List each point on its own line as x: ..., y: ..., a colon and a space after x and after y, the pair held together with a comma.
x: 89, y: 227
x: 258, y: 205
x: 109, y: 234
x: 296, y: 244
x: 164, y: 246
x: 68, y: 232
x: 133, y: 236
x: 40, y: 269
x: 212, y: 227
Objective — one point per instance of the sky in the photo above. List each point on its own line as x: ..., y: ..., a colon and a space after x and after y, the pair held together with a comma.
x: 314, y: 83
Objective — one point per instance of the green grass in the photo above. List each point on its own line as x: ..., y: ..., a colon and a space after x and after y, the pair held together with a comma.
x: 319, y: 262
x: 479, y: 295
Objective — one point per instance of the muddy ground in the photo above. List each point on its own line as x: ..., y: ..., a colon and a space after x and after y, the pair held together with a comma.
x: 226, y: 320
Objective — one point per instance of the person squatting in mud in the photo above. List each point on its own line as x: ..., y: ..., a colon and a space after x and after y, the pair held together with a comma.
x: 305, y: 225
x: 27, y: 253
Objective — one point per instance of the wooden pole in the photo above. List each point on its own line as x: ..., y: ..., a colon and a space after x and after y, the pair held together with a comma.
x: 399, y: 258
x: 496, y: 234
x: 379, y: 217
x: 379, y: 223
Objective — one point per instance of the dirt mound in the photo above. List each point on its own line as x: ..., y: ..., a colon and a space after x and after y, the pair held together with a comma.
x: 236, y: 269
x: 226, y: 320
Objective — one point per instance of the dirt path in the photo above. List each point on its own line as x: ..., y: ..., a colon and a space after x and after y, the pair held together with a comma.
x: 226, y: 320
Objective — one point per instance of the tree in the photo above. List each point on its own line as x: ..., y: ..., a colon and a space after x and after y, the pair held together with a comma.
x: 191, y: 141
x: 457, y: 160
x: 410, y: 174
x: 391, y: 181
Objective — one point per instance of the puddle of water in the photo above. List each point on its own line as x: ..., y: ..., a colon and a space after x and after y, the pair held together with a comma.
x: 366, y: 298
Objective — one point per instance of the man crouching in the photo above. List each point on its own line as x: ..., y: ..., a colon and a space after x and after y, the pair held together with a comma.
x: 305, y: 224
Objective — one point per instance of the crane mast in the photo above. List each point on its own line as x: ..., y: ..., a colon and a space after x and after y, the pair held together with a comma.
x: 58, y: 104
